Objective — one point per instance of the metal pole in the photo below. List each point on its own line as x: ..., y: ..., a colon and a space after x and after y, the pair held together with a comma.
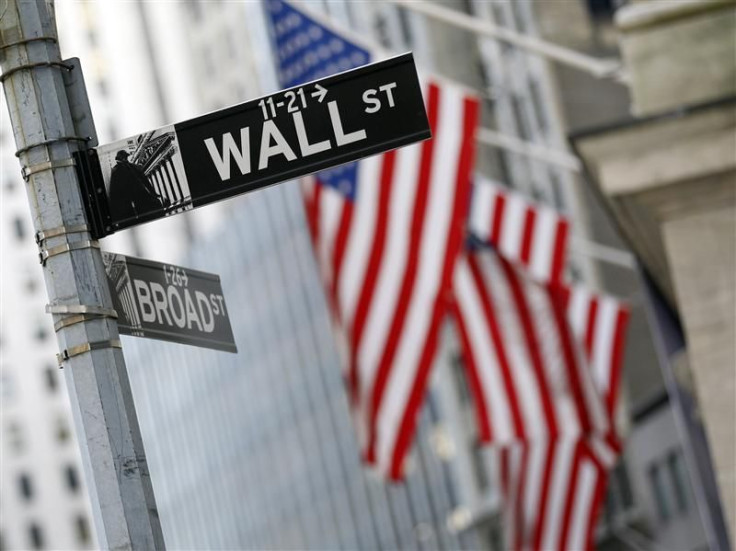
x: 115, y: 466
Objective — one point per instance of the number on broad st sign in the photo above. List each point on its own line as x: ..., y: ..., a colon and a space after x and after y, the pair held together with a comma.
x: 291, y: 133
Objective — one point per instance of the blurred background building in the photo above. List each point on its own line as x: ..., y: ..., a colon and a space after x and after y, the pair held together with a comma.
x: 256, y: 450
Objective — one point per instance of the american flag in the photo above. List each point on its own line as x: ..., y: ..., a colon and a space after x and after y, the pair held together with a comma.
x: 531, y: 352
x: 514, y: 316
x: 530, y: 235
x: 386, y: 232
x: 527, y: 371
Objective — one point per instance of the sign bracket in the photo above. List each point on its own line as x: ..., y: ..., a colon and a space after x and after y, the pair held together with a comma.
x: 94, y: 197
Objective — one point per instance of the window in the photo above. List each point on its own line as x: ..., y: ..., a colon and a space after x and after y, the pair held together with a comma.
x: 538, y: 105
x: 25, y: 486
x: 208, y: 60
x: 230, y: 46
x: 380, y: 25
x: 461, y: 381
x: 678, y: 477
x: 519, y: 19
x: 195, y: 9
x: 522, y: 122
x: 499, y: 14
x: 15, y: 436
x: 72, y: 480
x: 432, y: 407
x: 41, y: 333
x: 50, y: 377
x: 20, y: 228
x: 7, y: 385
x: 659, y: 489
x: 62, y: 430
x: 479, y: 466
x: 619, y: 497
x: 405, y: 27
x: 81, y: 527
x: 602, y: 9
x: 623, y: 486
x: 31, y: 285
x: 92, y: 36
x: 35, y: 535
x: 103, y: 87
x: 669, y: 481
x: 557, y: 195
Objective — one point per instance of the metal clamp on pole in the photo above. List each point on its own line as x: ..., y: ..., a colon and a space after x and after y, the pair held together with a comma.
x: 9, y: 72
x: 45, y: 254
x: 28, y: 171
x: 51, y: 141
x: 67, y: 353
x: 43, y: 235
x: 80, y: 313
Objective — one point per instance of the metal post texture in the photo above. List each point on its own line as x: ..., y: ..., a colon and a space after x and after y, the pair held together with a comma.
x: 117, y: 475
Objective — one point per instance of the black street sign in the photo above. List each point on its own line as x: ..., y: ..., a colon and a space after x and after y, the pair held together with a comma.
x: 169, y: 303
x: 292, y: 133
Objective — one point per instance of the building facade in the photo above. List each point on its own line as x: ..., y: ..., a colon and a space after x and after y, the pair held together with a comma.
x: 44, y: 501
x: 256, y: 450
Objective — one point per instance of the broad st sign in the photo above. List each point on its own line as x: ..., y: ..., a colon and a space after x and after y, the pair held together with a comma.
x: 169, y: 303
x: 292, y: 133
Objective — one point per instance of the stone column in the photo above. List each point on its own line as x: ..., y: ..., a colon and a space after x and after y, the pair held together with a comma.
x: 669, y: 178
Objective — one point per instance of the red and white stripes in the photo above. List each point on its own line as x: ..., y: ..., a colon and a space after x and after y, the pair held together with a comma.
x: 530, y: 235
x: 387, y: 259
x: 544, y: 363
x: 553, y: 491
x: 527, y: 372
x: 600, y: 322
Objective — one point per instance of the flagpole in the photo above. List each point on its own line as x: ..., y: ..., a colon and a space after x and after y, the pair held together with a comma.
x: 600, y: 68
x: 603, y: 253
x: 559, y: 158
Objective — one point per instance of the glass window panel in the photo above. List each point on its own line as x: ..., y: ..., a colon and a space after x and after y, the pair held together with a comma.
x: 35, y: 536
x: 50, y: 377
x: 623, y: 483
x: 461, y: 381
x: 479, y: 467
x: 19, y: 227
x: 659, y: 490
x: 71, y: 478
x: 678, y: 476
x: 81, y: 528
x: 25, y: 486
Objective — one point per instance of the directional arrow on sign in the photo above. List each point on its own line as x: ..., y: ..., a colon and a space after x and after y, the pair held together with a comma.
x: 320, y: 92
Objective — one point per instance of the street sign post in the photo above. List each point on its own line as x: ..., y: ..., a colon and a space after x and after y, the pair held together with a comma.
x: 170, y: 303
x: 291, y: 133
